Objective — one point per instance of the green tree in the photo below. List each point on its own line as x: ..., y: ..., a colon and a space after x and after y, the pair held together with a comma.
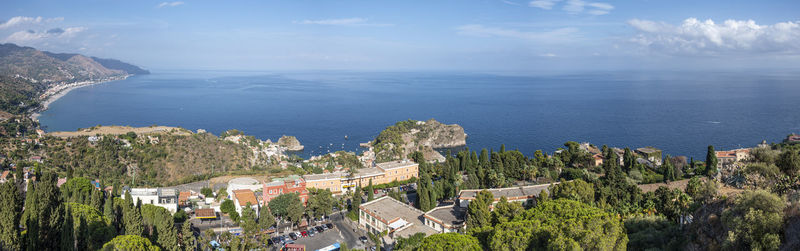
x: 287, y: 206
x: 693, y: 187
x: 10, y: 215
x: 249, y: 224
x: 49, y: 215
x: 668, y: 170
x: 227, y: 206
x: 577, y: 190
x: 320, y: 202
x: 505, y: 211
x: 628, y: 160
x: 265, y: 218
x: 162, y: 222
x: 356, y: 199
x: 478, y: 214
x: 653, y: 233
x: 130, y: 243
x: 132, y: 217
x: 188, y: 241
x: 207, y: 192
x: 82, y: 235
x: 755, y: 220
x: 109, y: 211
x: 561, y: 225
x: 711, y: 162
x: 449, y: 241
x: 409, y: 244
x: 370, y: 191
x: 789, y: 162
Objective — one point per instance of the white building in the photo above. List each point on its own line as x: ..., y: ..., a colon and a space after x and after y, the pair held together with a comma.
x: 243, y: 197
x: 243, y: 183
x: 162, y: 197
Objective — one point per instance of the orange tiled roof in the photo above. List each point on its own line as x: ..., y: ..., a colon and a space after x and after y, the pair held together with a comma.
x: 244, y: 196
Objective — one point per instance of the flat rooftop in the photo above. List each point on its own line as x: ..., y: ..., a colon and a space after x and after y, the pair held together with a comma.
x: 324, y: 176
x: 368, y: 172
x: 388, y: 210
x: 395, y: 164
x: 451, y: 215
x: 509, y: 192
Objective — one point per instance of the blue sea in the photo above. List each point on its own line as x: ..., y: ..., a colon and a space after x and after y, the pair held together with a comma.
x: 679, y: 112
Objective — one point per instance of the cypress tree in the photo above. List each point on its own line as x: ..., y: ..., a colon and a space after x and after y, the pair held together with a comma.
x: 628, y: 159
x: 10, y: 214
x: 370, y: 191
x: 669, y: 170
x: 357, y: 198
x: 82, y: 235
x: 97, y: 200
x: 67, y: 231
x: 132, y: 218
x: 51, y: 211
x: 711, y: 162
x: 188, y: 241
x: 109, y: 212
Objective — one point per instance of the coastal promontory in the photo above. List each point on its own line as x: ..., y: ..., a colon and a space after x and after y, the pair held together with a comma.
x: 291, y: 143
x: 405, y: 137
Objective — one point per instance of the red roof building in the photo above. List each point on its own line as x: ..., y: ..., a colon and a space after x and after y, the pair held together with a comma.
x: 291, y: 184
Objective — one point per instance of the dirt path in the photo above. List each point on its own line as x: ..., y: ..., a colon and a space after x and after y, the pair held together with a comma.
x: 681, y: 184
x: 119, y: 130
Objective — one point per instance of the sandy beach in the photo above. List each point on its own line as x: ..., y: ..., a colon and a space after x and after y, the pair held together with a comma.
x: 54, y: 93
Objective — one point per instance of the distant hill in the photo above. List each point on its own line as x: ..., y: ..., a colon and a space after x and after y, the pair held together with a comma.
x: 25, y: 73
x: 42, y: 66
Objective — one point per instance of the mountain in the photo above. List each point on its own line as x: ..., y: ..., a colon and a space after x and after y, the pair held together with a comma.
x: 42, y: 66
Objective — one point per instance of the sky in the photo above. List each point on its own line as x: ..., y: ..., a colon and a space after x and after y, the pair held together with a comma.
x: 443, y: 35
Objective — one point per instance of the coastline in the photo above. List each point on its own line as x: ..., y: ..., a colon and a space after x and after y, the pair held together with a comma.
x: 56, y: 92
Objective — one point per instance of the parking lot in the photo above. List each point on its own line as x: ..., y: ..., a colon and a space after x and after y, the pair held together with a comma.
x: 343, y: 231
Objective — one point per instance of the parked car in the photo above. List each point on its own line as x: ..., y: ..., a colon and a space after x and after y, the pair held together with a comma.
x: 311, y: 231
x: 293, y: 236
x: 329, y: 225
x: 363, y: 239
x: 281, y: 239
x: 319, y: 229
x: 298, y: 234
x: 324, y: 227
x: 304, y: 233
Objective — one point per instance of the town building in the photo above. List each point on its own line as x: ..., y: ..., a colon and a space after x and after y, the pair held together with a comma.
x: 278, y: 186
x: 446, y: 219
x: 526, y: 195
x: 382, y: 173
x: 243, y: 197
x: 243, y: 183
x: 392, y: 216
x: 183, y: 198
x: 162, y: 197
x: 792, y: 138
x: 205, y: 214
x: 651, y: 154
x: 726, y: 159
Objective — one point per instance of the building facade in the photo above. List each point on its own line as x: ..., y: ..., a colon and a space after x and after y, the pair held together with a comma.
x: 162, y: 197
x: 382, y: 173
x: 291, y: 184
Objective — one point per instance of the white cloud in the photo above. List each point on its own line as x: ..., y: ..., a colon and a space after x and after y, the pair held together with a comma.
x: 563, y: 34
x: 548, y: 55
x: 169, y: 4
x: 592, y: 8
x: 543, y: 4
x: 693, y: 37
x: 509, y: 2
x: 20, y: 20
x: 29, y: 36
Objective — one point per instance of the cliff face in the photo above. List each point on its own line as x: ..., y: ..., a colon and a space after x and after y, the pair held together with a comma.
x: 405, y: 137
x: 291, y: 143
